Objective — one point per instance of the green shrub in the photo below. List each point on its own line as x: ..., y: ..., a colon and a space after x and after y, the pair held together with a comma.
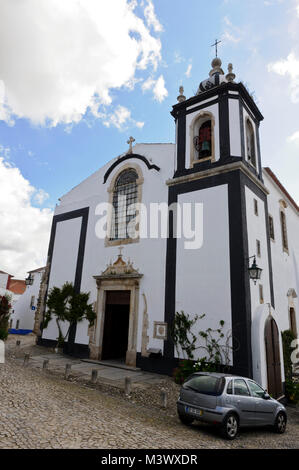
x: 183, y: 371
x: 292, y: 390
x: 4, y: 316
x: 287, y: 338
x: 187, y: 367
x: 3, y: 333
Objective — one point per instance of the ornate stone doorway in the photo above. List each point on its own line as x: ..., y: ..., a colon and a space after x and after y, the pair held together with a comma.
x: 116, y: 325
x: 118, y: 297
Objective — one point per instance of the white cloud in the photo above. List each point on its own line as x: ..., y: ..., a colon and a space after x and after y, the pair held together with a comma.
x: 232, y: 33
x: 41, y: 196
x: 151, y: 18
x: 59, y: 59
x: 178, y: 58
x: 294, y: 137
x: 5, y: 151
x: 188, y: 71
x: 288, y: 67
x: 121, y: 119
x: 25, y: 229
x: 160, y: 92
x: 157, y: 86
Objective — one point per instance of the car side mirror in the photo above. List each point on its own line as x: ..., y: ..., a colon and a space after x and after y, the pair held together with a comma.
x: 266, y: 395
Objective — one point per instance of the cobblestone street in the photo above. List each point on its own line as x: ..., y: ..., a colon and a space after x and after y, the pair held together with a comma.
x: 43, y: 411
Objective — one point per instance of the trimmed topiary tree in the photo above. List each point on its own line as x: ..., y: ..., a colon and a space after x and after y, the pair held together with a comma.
x: 66, y: 305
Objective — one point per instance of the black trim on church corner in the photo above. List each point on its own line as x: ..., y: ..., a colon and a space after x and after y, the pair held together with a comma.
x: 224, y: 135
x: 241, y: 115
x: 127, y: 157
x: 240, y: 282
x: 70, y: 347
x: 181, y: 143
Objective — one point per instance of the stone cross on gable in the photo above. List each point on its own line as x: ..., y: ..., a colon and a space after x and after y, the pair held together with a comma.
x: 130, y: 142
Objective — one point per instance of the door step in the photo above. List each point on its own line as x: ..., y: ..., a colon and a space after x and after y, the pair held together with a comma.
x: 116, y: 365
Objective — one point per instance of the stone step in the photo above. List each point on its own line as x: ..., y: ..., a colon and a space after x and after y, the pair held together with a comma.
x: 117, y: 365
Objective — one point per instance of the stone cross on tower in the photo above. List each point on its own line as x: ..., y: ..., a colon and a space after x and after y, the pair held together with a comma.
x: 130, y: 142
x: 216, y: 46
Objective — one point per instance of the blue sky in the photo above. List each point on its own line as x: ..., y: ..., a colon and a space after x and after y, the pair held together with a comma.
x: 77, y: 78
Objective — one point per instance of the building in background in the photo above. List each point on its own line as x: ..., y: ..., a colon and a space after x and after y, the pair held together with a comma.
x: 14, y: 288
x: 23, y: 317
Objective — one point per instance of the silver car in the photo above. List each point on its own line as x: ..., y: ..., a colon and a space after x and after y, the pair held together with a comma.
x: 230, y: 402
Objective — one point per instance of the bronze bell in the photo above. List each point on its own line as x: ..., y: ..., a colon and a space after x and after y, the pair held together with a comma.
x: 205, y: 146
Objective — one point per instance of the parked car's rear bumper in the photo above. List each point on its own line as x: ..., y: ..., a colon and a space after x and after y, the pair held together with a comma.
x: 215, y: 415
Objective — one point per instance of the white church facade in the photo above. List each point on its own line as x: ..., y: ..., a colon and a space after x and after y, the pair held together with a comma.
x: 245, y: 214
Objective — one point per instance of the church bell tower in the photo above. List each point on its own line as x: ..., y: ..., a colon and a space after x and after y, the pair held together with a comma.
x: 218, y: 164
x: 218, y: 126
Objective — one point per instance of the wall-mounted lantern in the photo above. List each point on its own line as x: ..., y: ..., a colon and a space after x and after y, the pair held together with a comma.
x: 254, y: 271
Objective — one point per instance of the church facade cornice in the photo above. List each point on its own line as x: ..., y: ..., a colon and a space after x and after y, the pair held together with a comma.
x: 224, y: 88
x: 239, y: 165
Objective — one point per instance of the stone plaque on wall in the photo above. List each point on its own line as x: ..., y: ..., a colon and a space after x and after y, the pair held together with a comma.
x: 160, y: 330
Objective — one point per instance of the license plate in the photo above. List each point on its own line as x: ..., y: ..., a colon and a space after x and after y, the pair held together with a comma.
x: 193, y: 411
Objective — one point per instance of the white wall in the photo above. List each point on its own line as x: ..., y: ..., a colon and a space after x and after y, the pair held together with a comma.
x: 22, y: 308
x: 203, y: 276
x: 3, y: 280
x: 64, y: 261
x: 285, y: 265
x: 257, y: 231
x: 234, y: 127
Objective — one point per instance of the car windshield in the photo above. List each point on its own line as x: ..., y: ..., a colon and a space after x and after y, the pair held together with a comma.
x: 205, y: 384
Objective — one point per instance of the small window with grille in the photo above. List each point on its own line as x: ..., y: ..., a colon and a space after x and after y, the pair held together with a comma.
x: 258, y: 248
x: 256, y: 207
x: 271, y: 228
x: 284, y: 233
x: 125, y: 197
x: 261, y: 292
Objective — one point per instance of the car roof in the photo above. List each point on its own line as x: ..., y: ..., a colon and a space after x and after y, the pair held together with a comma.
x: 221, y: 374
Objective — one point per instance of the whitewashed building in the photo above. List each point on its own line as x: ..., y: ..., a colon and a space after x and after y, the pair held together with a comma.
x: 23, y: 315
x: 244, y: 212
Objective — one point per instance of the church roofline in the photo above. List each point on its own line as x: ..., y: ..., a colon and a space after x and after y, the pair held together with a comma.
x: 217, y: 91
x: 37, y: 270
x: 281, y: 187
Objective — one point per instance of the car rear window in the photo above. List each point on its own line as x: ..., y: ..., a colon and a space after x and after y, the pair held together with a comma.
x: 205, y: 384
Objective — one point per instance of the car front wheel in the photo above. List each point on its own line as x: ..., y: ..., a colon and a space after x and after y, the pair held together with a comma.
x: 230, y: 426
x: 186, y: 419
x: 280, y: 423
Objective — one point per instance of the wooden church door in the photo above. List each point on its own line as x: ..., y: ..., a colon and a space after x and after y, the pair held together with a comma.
x: 273, y: 358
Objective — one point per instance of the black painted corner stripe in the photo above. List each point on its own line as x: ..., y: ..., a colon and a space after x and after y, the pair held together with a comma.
x: 127, y: 157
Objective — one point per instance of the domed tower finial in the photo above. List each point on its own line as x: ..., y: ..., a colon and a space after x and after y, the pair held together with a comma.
x: 216, y: 67
x: 230, y: 76
x: 181, y: 96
